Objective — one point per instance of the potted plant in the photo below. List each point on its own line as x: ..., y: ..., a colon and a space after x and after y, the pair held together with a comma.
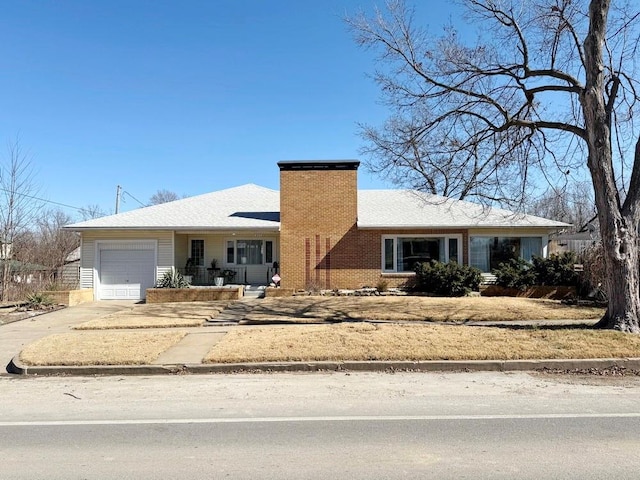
x: 190, y: 269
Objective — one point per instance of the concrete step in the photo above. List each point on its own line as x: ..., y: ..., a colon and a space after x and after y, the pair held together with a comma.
x: 254, y: 291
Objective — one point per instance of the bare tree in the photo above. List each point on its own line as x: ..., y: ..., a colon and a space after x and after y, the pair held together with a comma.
x: 549, y: 90
x: 53, y: 243
x: 18, y: 207
x: 163, y: 196
x: 572, y: 203
x: 91, y: 211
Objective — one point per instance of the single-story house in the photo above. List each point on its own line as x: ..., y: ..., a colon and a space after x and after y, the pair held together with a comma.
x: 69, y: 273
x: 318, y: 231
x: 25, y: 272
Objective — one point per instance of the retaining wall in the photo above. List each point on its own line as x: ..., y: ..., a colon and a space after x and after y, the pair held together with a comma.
x: 208, y: 294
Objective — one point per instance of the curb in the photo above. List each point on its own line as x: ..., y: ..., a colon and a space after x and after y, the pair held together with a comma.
x: 16, y: 367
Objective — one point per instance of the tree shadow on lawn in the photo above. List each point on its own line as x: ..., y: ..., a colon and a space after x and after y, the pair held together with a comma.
x: 310, y: 312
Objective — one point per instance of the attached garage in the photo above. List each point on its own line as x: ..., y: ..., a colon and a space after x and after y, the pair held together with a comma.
x: 125, y: 270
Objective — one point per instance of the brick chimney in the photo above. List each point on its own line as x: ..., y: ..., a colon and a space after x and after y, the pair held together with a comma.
x: 318, y: 208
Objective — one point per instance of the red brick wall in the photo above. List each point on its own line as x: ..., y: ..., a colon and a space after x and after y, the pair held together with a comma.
x: 320, y: 244
x: 318, y: 208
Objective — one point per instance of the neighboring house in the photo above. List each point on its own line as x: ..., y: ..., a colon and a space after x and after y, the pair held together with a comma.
x: 318, y: 229
x: 69, y: 273
x: 25, y: 272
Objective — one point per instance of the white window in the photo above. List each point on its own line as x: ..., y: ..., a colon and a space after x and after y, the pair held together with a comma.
x: 487, y: 253
x: 402, y: 253
x: 249, y: 252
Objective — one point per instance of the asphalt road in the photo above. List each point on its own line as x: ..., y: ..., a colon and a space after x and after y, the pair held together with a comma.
x: 346, y: 426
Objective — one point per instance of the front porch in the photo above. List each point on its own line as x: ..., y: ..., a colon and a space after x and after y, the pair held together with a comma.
x: 227, y: 258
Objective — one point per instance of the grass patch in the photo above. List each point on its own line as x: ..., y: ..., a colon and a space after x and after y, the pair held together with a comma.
x: 158, y: 315
x: 418, y: 342
x: 436, y: 309
x: 100, y: 348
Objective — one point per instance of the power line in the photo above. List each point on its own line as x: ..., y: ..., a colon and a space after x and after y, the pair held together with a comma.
x: 141, y: 204
x: 42, y: 199
x: 60, y: 204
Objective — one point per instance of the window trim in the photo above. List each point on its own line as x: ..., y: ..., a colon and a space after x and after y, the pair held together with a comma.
x: 394, y: 238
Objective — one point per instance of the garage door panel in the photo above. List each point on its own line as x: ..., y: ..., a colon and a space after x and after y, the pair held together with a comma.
x: 122, y: 292
x: 126, y: 274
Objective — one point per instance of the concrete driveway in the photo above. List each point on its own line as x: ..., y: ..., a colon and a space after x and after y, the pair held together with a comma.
x: 15, y: 336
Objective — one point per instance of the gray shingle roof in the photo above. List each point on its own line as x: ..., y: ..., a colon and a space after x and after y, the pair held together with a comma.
x: 253, y: 207
x: 410, y: 208
x: 247, y: 206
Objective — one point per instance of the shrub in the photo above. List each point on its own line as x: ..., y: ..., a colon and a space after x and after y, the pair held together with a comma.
x: 38, y: 301
x: 516, y: 273
x: 313, y: 287
x: 556, y: 270
x: 383, y: 285
x: 450, y: 279
x: 172, y: 279
x: 553, y: 271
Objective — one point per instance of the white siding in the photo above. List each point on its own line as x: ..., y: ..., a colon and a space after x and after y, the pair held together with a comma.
x: 87, y: 256
x: 165, y: 254
x: 164, y: 260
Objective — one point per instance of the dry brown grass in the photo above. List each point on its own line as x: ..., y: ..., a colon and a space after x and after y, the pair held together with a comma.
x: 410, y: 308
x: 417, y: 342
x: 158, y: 315
x: 100, y: 348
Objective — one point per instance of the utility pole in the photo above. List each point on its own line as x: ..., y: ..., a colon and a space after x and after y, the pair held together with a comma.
x: 118, y: 193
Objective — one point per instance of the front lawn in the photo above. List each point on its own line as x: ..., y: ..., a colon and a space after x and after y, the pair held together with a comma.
x: 365, y: 341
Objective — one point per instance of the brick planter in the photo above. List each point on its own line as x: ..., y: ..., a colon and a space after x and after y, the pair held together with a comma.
x: 70, y: 297
x: 278, y: 292
x: 539, y: 291
x: 207, y: 294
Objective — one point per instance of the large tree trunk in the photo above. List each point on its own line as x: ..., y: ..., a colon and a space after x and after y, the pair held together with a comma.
x: 618, y: 221
x: 623, y: 279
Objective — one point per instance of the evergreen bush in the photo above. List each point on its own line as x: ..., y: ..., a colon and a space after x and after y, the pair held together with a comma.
x: 515, y: 273
x: 450, y: 279
x: 555, y: 270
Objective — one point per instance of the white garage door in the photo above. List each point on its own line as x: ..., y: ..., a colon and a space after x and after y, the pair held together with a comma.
x: 126, y: 274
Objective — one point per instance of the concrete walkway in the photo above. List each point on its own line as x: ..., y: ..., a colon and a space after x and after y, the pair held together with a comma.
x: 192, y: 348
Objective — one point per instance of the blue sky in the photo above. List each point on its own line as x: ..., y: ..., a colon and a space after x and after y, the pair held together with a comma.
x: 188, y: 96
